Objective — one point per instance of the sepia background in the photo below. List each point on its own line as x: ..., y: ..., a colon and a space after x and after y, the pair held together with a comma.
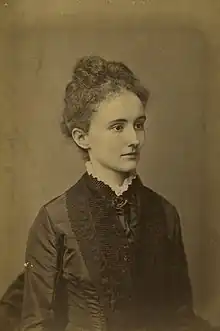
x: 173, y: 46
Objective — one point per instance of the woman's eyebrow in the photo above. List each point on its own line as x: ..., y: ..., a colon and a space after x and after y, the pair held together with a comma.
x: 118, y: 120
x: 123, y: 120
x: 143, y: 117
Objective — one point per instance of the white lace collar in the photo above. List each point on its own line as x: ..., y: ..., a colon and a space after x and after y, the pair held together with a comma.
x: 117, y: 189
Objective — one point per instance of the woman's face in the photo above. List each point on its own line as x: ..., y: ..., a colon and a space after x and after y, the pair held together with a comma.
x: 117, y: 133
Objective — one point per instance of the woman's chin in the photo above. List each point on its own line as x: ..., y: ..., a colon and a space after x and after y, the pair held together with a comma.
x: 129, y: 166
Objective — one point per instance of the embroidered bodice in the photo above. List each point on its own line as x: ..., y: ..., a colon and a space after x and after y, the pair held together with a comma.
x: 111, y: 282
x: 123, y: 198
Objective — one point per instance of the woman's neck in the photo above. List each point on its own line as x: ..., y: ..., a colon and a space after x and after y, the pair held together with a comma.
x: 112, y: 178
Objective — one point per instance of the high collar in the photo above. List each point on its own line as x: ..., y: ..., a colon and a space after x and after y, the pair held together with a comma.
x: 107, y: 197
x: 118, y: 190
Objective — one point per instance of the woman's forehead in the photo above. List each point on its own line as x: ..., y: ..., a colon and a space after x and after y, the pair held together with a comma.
x: 125, y: 105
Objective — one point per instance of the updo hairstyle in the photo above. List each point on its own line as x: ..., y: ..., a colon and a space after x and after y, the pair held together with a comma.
x: 93, y: 79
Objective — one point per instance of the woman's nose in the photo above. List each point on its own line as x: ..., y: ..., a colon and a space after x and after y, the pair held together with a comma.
x: 133, y: 137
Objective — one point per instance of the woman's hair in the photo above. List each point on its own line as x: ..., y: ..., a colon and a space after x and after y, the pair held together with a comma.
x: 94, y: 79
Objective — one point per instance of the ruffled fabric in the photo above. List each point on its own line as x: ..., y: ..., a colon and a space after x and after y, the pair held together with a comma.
x: 118, y: 190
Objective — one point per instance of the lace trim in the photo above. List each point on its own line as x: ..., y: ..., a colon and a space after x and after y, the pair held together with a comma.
x: 119, y: 190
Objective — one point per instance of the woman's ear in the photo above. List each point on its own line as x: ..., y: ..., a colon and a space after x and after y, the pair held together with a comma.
x: 81, y: 138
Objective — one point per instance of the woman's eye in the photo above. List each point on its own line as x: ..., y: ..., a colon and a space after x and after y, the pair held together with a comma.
x: 118, y: 127
x: 139, y: 126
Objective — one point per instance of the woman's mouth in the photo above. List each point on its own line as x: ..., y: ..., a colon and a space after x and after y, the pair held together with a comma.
x: 132, y: 154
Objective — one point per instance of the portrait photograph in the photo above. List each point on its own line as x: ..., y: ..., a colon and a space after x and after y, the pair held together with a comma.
x: 109, y: 165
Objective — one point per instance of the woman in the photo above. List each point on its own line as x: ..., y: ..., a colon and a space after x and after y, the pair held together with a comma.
x: 123, y: 261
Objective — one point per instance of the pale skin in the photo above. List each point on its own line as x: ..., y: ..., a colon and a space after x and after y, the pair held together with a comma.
x: 115, y: 137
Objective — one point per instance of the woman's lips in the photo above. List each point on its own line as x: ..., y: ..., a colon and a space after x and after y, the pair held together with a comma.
x: 131, y: 154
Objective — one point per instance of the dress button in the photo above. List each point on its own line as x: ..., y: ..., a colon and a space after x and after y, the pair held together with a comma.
x: 112, y: 304
x: 104, y: 280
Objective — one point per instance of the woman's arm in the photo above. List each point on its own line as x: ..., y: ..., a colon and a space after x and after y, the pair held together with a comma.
x: 184, y: 318
x: 181, y: 285
x: 10, y: 305
x: 40, y: 274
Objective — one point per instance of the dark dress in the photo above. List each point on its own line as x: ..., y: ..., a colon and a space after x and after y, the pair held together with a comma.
x: 124, y: 266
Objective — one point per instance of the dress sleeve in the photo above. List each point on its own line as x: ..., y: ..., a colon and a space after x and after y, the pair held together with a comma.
x: 180, y: 291
x: 183, y: 318
x: 40, y: 274
x: 179, y: 274
x: 10, y: 305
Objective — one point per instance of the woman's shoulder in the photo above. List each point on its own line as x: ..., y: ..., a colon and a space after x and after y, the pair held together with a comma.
x: 56, y: 208
x: 168, y: 209
x: 149, y: 193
